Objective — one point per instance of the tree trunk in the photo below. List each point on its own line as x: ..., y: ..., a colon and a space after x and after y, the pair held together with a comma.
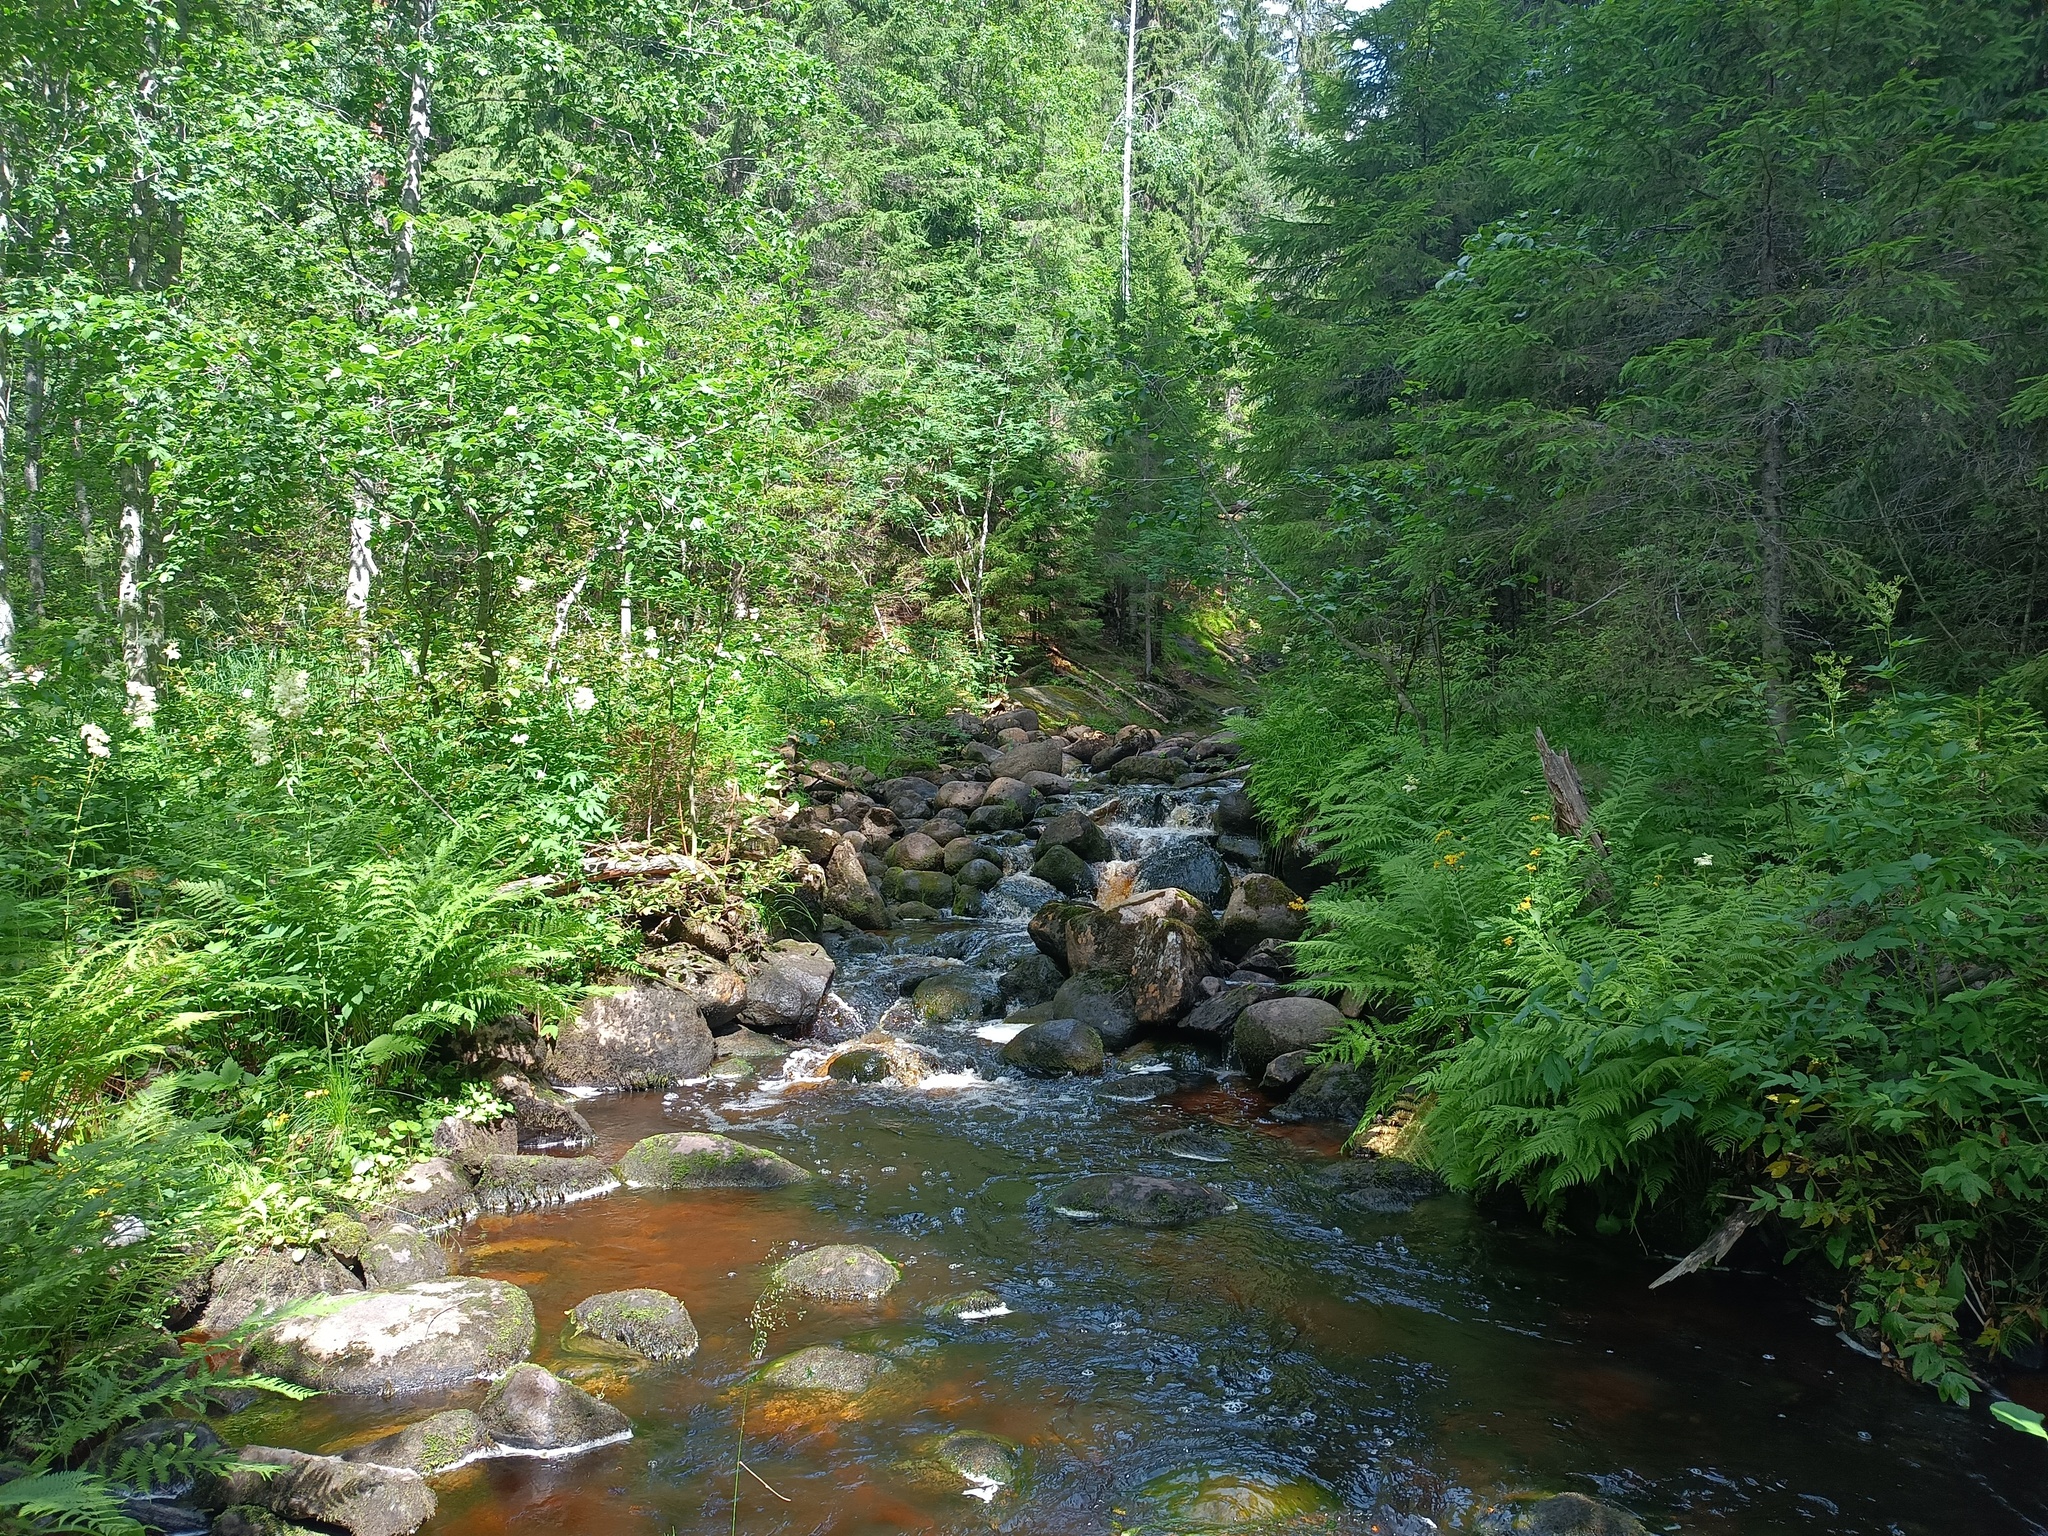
x: 6, y: 590
x: 1130, y: 127
x: 1569, y: 813
x: 33, y: 390
x: 1773, y: 559
x: 92, y: 557
x: 419, y: 123
x: 135, y: 505
x: 362, y: 565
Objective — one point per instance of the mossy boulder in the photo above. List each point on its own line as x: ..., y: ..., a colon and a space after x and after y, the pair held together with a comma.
x: 838, y: 1272
x: 433, y: 1193
x: 398, y: 1255
x: 260, y: 1284
x: 1102, y: 1000
x: 968, y: 1306
x: 1261, y: 908
x: 864, y: 1064
x: 1140, y: 1200
x: 640, y: 1323
x: 948, y: 999
x: 529, y: 1183
x: 986, y: 1459
x: 1056, y: 1048
x: 700, y: 1160
x: 928, y: 886
x: 824, y: 1368
x: 1207, y: 1499
x: 421, y: 1337
x: 1064, y: 870
x: 362, y: 1498
x: 439, y: 1444
x: 531, y: 1409
x: 1078, y: 832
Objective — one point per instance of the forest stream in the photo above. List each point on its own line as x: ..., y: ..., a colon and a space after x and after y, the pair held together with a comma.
x: 1336, y: 1348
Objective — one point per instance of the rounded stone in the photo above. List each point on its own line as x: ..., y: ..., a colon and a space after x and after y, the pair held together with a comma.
x: 649, y: 1324
x: 1064, y: 870
x: 946, y: 1000
x: 969, y: 1306
x: 838, y: 1272
x: 989, y: 1460
x: 438, y: 1444
x: 535, y: 1410
x: 1055, y: 1048
x: 701, y: 1160
x: 433, y: 1334
x: 1269, y: 1029
x: 862, y: 1065
x: 1140, y: 1200
x: 824, y: 1368
x: 642, y: 1037
x: 1102, y: 1000
x: 398, y: 1255
x: 732, y: 1069
x: 268, y: 1281
x: 1221, y: 1500
x: 979, y: 874
x: 1195, y: 1145
x: 1573, y: 1514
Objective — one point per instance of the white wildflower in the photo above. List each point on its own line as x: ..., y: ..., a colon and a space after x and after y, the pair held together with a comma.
x: 290, y: 694
x: 523, y: 583
x: 172, y: 653
x: 1705, y: 861
x: 94, y: 738
x: 520, y: 739
x: 141, y: 705
x: 258, y: 731
x: 582, y: 699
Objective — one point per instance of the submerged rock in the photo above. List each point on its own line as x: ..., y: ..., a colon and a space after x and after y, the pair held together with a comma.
x: 535, y: 1410
x: 1140, y: 1200
x: 641, y: 1037
x: 1055, y: 1048
x: 1382, y: 1186
x: 1196, y: 1145
x: 362, y: 1498
x: 435, y: 1333
x: 1564, y: 1514
x: 439, y: 1444
x: 1206, y: 1499
x: 824, y: 1368
x: 989, y: 1460
x: 700, y: 1160
x: 864, y: 1064
x: 648, y: 1324
x: 838, y: 1272
x: 267, y: 1282
x: 525, y: 1183
x: 968, y: 1306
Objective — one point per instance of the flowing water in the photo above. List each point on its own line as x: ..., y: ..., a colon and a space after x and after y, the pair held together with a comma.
x: 1303, y: 1351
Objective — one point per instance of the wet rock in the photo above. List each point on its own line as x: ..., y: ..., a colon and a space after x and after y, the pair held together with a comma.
x: 785, y: 989
x: 431, y: 1334
x: 1283, y: 1024
x: 1078, y: 832
x: 1062, y: 869
x: 1030, y: 757
x: 361, y: 1498
x: 1382, y: 1186
x: 848, y: 894
x: 1270, y: 958
x: 920, y: 885
x: 1185, y: 864
x: 1331, y: 1094
x: 1019, y: 896
x: 167, y: 1517
x: 267, y: 1282
x: 399, y: 1255
x: 535, y: 1410
x: 642, y: 1037
x: 1050, y: 784
x: 432, y: 1194
x: 1140, y: 1200
x: 915, y: 851
x: 1030, y: 979
x: 1285, y: 1072
x: 1129, y: 741
x: 1246, y: 851
x: 1050, y: 924
x: 732, y: 1071
x: 1101, y: 1000
x: 1236, y: 814
x: 949, y: 1000
x: 837, y: 1272
x: 1206, y: 1499
x: 1217, y: 1016
x: 439, y: 1444
x: 824, y: 1368
x: 249, y: 1520
x: 1164, y: 957
x: 1261, y: 909
x: 988, y: 1460
x: 1056, y: 1048
x: 700, y: 1160
x: 1565, y: 1514
x: 523, y: 1183
x: 748, y: 1045
x: 978, y: 875
x: 159, y: 1438
x: 544, y: 1117
x: 1196, y: 1145
x: 960, y: 852
x: 467, y: 1142
x: 863, y: 1064
x: 968, y: 1307
x: 912, y: 912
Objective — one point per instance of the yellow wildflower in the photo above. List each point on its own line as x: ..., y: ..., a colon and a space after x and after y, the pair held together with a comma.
x: 1525, y: 904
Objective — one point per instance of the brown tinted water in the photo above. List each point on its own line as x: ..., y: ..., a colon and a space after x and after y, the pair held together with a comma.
x: 1424, y: 1364
x: 1428, y: 1362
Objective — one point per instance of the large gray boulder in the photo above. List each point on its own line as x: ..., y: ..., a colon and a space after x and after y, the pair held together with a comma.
x: 1063, y: 869
x: 1102, y: 1001
x: 544, y: 1117
x: 1155, y: 941
x: 527, y: 1183
x: 824, y: 1368
x: 467, y: 1142
x: 837, y: 1272
x: 1056, y: 1048
x: 641, y: 1037
x: 1261, y: 908
x: 418, y: 1338
x: 1217, y: 1016
x: 700, y: 1160
x: 1030, y: 757
x: 1075, y: 830
x: 532, y: 1409
x: 639, y: 1323
x: 1331, y: 1094
x: 786, y: 987
x: 432, y: 1446
x: 399, y: 1255
x: 260, y: 1284
x: 1185, y: 864
x: 361, y: 1498
x: 848, y: 893
x: 1284, y: 1024
x: 915, y: 851
x: 1140, y: 1200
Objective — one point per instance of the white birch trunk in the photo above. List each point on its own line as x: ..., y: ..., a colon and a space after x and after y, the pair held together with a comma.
x: 419, y: 122
x: 1130, y: 125
x: 129, y: 604
x: 6, y: 591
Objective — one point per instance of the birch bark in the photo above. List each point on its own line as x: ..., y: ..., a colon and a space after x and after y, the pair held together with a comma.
x: 419, y: 119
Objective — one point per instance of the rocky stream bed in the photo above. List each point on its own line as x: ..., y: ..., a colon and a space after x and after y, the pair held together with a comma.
x: 1015, y: 1202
